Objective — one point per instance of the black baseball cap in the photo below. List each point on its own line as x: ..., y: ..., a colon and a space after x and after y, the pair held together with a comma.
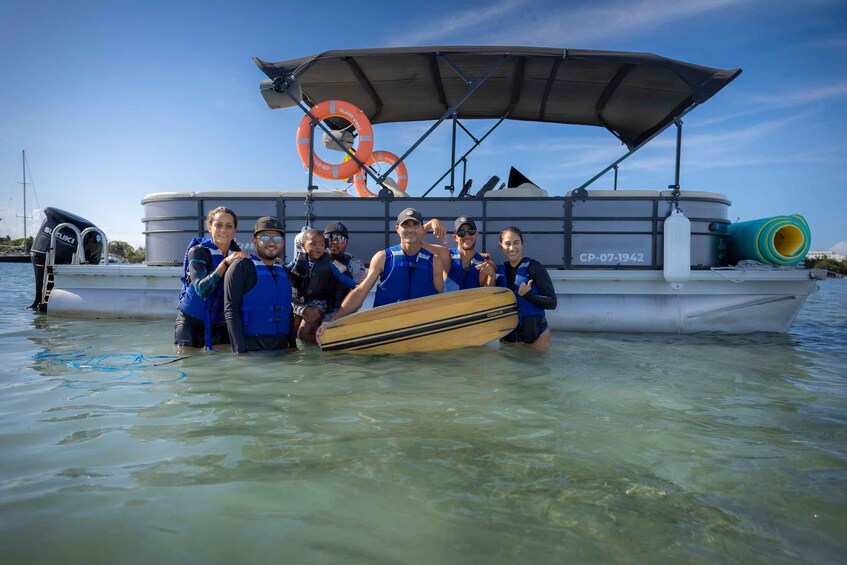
x: 409, y: 214
x: 461, y: 221
x: 267, y: 223
x: 336, y: 227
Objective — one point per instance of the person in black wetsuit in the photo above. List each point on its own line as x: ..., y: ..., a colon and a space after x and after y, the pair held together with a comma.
x: 533, y: 289
x: 257, y: 295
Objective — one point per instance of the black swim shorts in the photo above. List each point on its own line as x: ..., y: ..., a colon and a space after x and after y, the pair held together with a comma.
x: 189, y: 332
x: 528, y: 330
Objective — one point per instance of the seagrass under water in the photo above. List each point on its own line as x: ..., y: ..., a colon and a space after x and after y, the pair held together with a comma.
x: 612, y: 448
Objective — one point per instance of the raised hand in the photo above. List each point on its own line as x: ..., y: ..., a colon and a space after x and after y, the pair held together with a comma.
x: 438, y: 229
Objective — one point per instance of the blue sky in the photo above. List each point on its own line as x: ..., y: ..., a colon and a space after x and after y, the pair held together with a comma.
x: 116, y: 100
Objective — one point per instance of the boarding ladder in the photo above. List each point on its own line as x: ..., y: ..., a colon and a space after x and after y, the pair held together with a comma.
x: 78, y: 258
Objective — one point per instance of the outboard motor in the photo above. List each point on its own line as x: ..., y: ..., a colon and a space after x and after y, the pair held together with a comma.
x: 66, y: 248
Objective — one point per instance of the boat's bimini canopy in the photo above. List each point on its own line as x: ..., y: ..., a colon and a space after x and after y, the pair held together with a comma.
x: 633, y: 95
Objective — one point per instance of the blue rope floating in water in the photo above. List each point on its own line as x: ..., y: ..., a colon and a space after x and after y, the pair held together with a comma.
x: 119, y: 366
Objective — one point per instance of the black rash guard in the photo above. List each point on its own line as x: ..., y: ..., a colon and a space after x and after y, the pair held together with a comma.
x: 546, y: 297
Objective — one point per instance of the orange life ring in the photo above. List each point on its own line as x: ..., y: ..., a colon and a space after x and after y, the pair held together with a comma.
x: 360, y: 181
x: 336, y: 109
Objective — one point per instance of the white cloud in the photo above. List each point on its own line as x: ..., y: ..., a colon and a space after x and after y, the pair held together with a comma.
x: 766, y: 103
x: 811, y: 95
x: 732, y: 138
x: 458, y: 22
x: 589, y: 24
x: 840, y: 248
x: 838, y: 42
x: 555, y: 23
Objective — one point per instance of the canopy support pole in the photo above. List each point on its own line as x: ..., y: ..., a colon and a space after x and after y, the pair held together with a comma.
x: 477, y: 143
x: 675, y: 185
x: 452, y: 184
x: 473, y: 85
x: 581, y: 192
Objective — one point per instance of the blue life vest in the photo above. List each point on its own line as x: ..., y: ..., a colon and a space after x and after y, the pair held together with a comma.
x: 458, y: 278
x: 404, y: 277
x: 266, y: 308
x: 209, y: 309
x: 525, y: 307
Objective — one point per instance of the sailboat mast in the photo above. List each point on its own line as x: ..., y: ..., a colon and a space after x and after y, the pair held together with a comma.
x: 23, y: 161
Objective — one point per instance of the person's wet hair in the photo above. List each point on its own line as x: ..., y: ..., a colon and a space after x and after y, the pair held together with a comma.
x: 224, y: 210
x: 514, y: 229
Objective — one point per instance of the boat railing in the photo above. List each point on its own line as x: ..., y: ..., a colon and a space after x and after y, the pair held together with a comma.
x: 80, y: 250
x: 104, y: 254
x: 605, y: 229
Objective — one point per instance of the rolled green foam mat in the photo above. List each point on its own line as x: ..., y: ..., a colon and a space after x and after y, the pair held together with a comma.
x: 781, y: 240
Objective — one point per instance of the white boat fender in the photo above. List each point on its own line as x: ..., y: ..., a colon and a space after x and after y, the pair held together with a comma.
x: 677, y: 249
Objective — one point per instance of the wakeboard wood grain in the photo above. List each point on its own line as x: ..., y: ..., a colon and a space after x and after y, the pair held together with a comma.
x: 452, y: 320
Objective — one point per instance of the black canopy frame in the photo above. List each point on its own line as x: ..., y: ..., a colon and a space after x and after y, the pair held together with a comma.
x: 635, y: 96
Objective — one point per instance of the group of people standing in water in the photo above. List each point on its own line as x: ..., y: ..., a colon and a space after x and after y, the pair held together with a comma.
x: 254, y: 302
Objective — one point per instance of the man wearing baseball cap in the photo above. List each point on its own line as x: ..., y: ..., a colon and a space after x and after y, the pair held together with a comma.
x: 463, y: 266
x: 257, y: 294
x: 337, y: 238
x: 404, y: 271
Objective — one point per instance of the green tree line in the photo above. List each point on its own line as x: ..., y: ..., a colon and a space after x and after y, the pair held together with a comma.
x: 831, y: 265
x: 120, y: 249
x: 6, y: 242
x: 125, y: 251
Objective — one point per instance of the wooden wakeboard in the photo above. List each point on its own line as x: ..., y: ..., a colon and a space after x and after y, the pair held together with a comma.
x: 464, y: 318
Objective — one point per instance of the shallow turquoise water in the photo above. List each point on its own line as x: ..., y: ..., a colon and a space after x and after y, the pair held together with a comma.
x: 613, y: 448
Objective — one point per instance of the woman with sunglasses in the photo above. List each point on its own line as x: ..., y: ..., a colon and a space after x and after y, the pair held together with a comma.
x: 199, y: 320
x: 533, y: 288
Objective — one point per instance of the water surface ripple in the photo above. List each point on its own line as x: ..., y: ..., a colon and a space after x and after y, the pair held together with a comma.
x: 625, y: 448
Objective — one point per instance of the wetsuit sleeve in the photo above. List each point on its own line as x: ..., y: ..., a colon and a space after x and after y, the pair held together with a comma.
x: 341, y: 277
x: 238, y: 280
x: 199, y: 266
x: 546, y: 294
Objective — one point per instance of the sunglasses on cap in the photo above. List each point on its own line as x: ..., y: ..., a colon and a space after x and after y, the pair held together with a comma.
x: 265, y: 239
x: 337, y: 237
x: 463, y: 233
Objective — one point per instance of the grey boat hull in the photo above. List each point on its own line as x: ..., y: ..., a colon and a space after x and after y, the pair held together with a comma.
x: 732, y: 301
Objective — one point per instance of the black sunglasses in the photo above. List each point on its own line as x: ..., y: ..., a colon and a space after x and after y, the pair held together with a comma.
x: 265, y: 239
x: 337, y: 237
x: 463, y: 233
